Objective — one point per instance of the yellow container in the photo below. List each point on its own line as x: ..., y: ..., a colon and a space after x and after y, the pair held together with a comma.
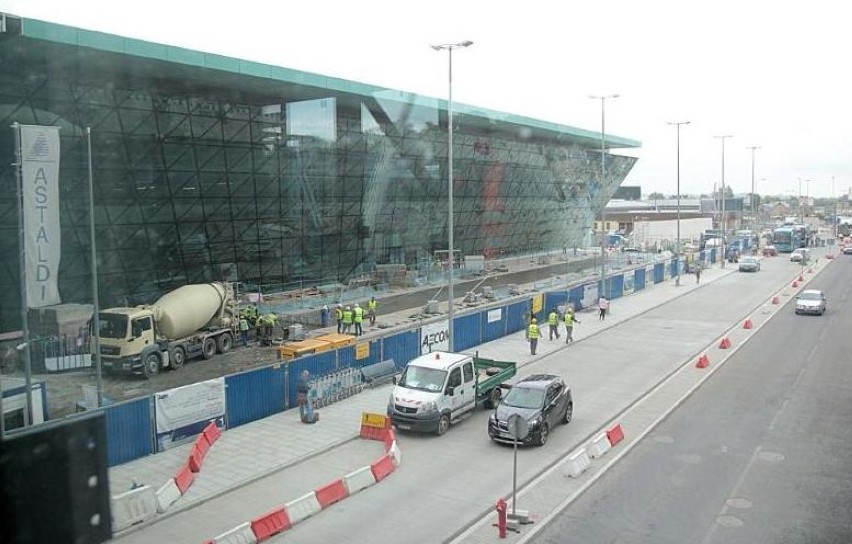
x: 304, y: 347
x: 337, y: 340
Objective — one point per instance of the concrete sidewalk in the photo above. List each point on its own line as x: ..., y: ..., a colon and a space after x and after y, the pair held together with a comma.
x: 255, y: 450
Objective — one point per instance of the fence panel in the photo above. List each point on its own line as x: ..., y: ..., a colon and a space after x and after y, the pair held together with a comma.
x: 518, y: 316
x: 402, y: 347
x: 346, y: 356
x: 639, y: 281
x: 130, y: 430
x: 674, y: 267
x: 616, y: 286
x: 493, y: 323
x: 659, y: 272
x: 553, y: 300
x: 254, y: 395
x: 466, y: 332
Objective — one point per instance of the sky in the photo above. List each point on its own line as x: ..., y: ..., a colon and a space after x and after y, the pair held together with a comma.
x: 769, y: 74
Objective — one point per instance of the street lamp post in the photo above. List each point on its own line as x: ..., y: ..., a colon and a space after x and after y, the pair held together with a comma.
x: 604, y: 234
x: 677, y: 245
x: 724, y: 218
x: 449, y: 47
x: 753, y: 199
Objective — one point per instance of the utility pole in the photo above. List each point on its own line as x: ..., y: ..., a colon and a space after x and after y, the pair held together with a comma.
x: 753, y: 199
x: 724, y: 196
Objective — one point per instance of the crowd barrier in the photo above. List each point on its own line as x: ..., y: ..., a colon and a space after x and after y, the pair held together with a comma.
x: 265, y: 391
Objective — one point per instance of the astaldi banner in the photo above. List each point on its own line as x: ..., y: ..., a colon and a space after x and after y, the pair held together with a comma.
x: 183, y: 412
x: 40, y: 178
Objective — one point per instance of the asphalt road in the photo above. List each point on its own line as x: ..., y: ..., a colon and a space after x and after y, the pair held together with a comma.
x: 759, y: 453
x: 448, y: 482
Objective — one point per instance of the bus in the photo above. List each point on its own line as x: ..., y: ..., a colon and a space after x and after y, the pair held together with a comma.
x: 790, y: 237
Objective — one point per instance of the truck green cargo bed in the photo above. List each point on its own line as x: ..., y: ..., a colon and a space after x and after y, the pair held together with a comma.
x: 485, y: 383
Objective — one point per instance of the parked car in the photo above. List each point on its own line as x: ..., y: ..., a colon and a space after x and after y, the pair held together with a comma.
x: 542, y: 399
x: 811, y: 301
x: 749, y: 263
x: 801, y: 255
x: 769, y: 251
x: 847, y: 250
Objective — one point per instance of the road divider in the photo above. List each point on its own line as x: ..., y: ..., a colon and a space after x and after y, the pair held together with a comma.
x: 615, y: 435
x: 241, y: 534
x: 167, y: 495
x: 599, y: 446
x: 578, y: 462
x: 132, y: 507
x: 331, y: 493
x: 270, y: 524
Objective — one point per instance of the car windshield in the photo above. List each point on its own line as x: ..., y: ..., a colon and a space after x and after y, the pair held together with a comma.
x: 524, y: 397
x: 811, y: 296
x: 748, y: 260
x: 425, y: 379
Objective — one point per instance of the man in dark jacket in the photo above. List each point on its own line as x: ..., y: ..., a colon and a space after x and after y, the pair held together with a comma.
x: 306, y: 409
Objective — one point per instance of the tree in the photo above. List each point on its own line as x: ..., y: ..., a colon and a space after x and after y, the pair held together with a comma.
x: 656, y: 196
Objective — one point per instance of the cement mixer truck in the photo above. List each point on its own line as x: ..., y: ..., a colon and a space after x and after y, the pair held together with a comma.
x: 191, y: 321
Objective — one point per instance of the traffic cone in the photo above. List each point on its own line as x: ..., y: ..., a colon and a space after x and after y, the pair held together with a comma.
x: 703, y: 361
x: 775, y: 300
x: 725, y: 343
x: 795, y: 284
x: 747, y: 324
x: 801, y: 277
x: 810, y: 270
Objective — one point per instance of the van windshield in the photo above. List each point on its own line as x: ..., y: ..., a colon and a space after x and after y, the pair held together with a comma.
x: 425, y: 379
x: 112, y: 325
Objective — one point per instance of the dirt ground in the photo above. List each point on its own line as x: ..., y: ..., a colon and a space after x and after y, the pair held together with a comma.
x: 64, y: 389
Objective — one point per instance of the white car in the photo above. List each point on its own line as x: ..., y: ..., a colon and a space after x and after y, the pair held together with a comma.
x: 749, y: 264
x: 811, y: 301
x: 801, y: 255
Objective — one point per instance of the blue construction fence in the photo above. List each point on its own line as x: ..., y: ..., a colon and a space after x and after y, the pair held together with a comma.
x: 265, y: 391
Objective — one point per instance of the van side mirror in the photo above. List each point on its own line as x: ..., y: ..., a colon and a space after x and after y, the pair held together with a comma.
x: 451, y: 391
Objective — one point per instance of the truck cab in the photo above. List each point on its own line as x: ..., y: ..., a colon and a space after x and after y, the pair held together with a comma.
x: 127, y: 337
x: 433, y: 391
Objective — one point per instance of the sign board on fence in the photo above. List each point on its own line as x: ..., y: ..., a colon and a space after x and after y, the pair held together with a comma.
x: 649, y: 276
x: 183, y: 412
x: 373, y: 420
x: 362, y: 350
x: 537, y: 303
x: 590, y: 295
x: 495, y: 315
x: 434, y: 337
x: 629, y: 282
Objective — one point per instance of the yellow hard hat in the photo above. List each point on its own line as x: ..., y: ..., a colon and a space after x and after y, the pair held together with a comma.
x: 534, y: 320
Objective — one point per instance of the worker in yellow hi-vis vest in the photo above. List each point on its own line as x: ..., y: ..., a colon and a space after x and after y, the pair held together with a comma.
x: 553, y: 322
x: 532, y: 335
x: 371, y: 310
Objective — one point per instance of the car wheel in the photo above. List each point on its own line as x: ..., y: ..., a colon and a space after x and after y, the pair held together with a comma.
x: 178, y: 358
x: 443, y: 424
x: 208, y: 348
x: 542, y: 434
x: 569, y: 413
x: 152, y: 365
x: 493, y: 398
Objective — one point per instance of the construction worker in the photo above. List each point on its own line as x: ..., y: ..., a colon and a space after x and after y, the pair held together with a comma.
x: 371, y: 307
x: 358, y: 318
x: 553, y: 321
x: 269, y: 321
x: 532, y: 335
x: 569, y: 324
x: 338, y: 316
x: 244, y: 329
x: 347, y: 320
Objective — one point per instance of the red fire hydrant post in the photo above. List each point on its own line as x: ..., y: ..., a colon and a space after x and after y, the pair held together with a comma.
x: 501, y: 518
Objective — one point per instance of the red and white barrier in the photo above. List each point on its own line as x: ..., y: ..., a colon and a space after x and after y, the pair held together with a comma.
x: 615, y: 435
x: 599, y: 446
x: 358, y: 480
x: 132, y: 507
x: 184, y: 478
x: 395, y: 453
x: 578, y: 462
x: 331, y: 493
x: 302, y: 508
x: 167, y: 495
x: 241, y: 534
x: 270, y: 524
x: 383, y: 467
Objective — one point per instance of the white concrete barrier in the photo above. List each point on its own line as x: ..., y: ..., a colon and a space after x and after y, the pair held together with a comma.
x: 167, y: 495
x: 599, y: 446
x: 395, y: 453
x: 132, y: 507
x: 302, y: 508
x: 358, y: 480
x: 578, y: 462
x: 241, y: 534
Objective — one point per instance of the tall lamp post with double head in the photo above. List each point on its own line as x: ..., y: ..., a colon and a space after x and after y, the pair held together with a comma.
x: 753, y: 148
x: 449, y: 47
x: 604, y: 233
x: 677, y: 244
x: 724, y: 196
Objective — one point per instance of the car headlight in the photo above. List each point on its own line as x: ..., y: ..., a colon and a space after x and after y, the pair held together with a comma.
x: 535, y: 423
x: 428, y: 407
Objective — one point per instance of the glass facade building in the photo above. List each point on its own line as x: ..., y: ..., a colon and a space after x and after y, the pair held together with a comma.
x: 210, y: 168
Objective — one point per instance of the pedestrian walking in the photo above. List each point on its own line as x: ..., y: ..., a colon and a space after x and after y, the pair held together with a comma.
x: 371, y: 310
x: 338, y: 316
x: 603, y: 307
x: 324, y: 313
x: 569, y: 324
x: 244, y: 329
x: 347, y: 320
x: 532, y: 335
x: 306, y: 408
x: 697, y: 273
x: 358, y: 319
x: 553, y: 321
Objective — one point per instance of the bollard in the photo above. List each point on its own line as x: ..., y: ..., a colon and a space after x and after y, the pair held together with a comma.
x: 501, y: 518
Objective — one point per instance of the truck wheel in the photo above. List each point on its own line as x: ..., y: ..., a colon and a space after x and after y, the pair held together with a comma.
x: 178, y: 358
x: 443, y: 424
x: 208, y: 349
x: 493, y: 398
x: 151, y: 366
x: 569, y: 413
x: 225, y: 342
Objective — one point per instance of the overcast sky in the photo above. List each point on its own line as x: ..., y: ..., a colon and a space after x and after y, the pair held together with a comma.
x: 771, y: 74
